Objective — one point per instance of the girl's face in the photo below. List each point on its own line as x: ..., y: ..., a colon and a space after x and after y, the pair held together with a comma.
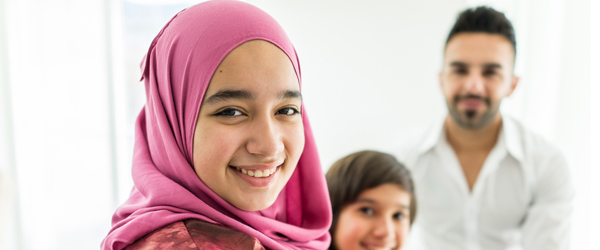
x: 249, y: 135
x: 378, y: 219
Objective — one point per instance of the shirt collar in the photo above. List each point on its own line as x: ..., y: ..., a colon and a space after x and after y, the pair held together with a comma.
x: 433, y: 136
x: 512, y: 136
x: 509, y: 133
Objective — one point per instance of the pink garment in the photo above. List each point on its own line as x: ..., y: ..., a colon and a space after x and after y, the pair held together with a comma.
x: 176, y: 72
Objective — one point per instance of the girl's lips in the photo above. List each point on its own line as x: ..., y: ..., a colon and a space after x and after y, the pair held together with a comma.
x: 261, y: 167
x: 256, y: 177
x: 257, y: 172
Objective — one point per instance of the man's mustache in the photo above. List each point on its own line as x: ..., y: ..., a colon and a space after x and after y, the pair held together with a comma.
x: 484, y: 99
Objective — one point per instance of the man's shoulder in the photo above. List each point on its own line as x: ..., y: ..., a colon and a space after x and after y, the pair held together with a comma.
x: 537, y: 155
x: 544, y: 163
x: 529, y: 142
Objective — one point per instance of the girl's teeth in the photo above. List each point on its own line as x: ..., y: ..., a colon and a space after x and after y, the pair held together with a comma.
x: 257, y: 173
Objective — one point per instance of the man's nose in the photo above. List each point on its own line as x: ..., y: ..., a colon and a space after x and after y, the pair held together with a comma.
x: 474, y: 84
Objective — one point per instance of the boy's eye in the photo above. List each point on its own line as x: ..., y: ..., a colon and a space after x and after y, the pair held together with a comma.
x: 229, y: 113
x: 398, y: 216
x: 288, y: 111
x: 367, y: 210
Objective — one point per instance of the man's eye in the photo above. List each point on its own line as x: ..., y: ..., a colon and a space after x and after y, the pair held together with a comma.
x: 398, y: 216
x: 288, y: 111
x: 367, y: 210
x: 229, y: 113
x: 460, y: 71
x: 489, y: 73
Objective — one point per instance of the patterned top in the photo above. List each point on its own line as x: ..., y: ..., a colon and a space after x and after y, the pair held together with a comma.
x: 197, y: 235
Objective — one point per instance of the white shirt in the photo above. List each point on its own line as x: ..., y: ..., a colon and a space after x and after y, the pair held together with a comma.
x: 522, y: 198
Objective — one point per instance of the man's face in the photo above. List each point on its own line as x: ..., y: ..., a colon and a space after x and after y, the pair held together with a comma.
x: 477, y: 74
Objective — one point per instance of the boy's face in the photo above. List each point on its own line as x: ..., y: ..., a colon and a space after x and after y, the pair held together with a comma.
x: 378, y: 219
x: 476, y: 76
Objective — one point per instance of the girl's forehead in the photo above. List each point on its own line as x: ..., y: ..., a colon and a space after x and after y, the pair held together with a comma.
x: 254, y: 69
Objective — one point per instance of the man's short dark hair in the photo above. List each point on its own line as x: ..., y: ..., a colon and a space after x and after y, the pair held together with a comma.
x: 486, y: 20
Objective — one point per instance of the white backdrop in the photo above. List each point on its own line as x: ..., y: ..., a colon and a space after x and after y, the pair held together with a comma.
x: 68, y: 72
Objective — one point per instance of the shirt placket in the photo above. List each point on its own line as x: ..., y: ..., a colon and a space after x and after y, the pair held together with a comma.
x: 472, y: 207
x: 470, y: 223
x: 476, y: 196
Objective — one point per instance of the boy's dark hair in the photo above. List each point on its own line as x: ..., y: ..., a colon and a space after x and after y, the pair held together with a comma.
x: 486, y: 20
x: 350, y: 176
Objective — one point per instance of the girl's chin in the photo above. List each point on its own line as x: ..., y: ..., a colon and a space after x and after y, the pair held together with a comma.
x: 253, y: 205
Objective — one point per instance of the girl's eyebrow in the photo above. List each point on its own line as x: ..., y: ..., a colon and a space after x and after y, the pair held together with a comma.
x: 291, y: 94
x: 227, y: 94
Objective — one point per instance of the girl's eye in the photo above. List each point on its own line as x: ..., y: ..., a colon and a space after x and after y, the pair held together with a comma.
x: 398, y: 216
x: 367, y: 210
x: 229, y: 113
x: 288, y: 111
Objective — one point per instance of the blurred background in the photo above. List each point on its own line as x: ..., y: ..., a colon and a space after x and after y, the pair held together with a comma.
x: 69, y: 95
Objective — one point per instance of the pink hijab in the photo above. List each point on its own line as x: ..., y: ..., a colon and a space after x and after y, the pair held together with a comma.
x: 177, y: 70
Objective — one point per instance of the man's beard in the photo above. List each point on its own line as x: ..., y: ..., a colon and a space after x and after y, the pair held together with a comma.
x: 470, y: 120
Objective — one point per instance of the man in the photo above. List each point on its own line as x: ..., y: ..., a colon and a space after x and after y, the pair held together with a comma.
x: 482, y: 180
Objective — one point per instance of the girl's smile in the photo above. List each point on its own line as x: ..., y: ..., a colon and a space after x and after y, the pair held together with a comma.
x: 258, y: 175
x: 249, y: 135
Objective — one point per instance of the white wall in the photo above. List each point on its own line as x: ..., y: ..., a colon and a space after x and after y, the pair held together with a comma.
x: 594, y: 190
x: 59, y: 98
x: 9, y: 221
x: 70, y: 95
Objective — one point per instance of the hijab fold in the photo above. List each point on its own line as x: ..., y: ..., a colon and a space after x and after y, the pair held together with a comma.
x: 176, y: 72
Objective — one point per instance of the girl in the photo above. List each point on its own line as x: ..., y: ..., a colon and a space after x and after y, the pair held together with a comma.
x: 372, y: 198
x: 224, y: 154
